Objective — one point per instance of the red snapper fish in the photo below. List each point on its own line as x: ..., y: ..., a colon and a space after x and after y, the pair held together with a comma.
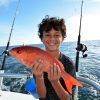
x: 28, y: 54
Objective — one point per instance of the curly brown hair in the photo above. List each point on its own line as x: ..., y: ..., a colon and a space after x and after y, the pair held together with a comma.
x: 52, y: 22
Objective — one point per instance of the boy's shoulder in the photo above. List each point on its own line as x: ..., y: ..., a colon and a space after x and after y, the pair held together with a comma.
x: 67, y: 62
x: 65, y: 58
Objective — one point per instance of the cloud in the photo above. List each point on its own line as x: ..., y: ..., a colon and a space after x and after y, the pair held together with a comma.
x: 81, y: 0
x: 90, y: 29
x: 6, y: 2
x: 96, y: 0
x: 20, y: 35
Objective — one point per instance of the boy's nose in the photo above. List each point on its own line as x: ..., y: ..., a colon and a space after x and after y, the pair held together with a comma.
x: 52, y: 37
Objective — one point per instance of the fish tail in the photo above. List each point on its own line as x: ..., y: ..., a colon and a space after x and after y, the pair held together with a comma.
x: 70, y: 81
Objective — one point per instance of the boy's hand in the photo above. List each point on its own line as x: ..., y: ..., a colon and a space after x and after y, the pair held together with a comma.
x: 54, y: 73
x: 37, y: 68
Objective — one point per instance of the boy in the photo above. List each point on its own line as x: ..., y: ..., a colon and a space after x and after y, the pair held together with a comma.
x: 50, y: 86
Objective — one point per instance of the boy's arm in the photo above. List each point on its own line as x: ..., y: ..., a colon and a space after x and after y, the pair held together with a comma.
x: 41, y: 89
x: 54, y: 75
x: 61, y: 92
x: 37, y: 70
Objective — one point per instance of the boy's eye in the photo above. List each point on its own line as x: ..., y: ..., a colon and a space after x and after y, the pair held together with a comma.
x: 57, y: 35
x: 47, y: 35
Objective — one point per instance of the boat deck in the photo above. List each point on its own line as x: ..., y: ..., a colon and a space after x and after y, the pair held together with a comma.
x: 6, y: 95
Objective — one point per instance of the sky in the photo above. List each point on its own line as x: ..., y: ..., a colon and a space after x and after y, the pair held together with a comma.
x: 31, y: 12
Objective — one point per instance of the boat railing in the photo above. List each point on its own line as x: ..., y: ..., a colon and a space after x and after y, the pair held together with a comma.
x: 13, y: 75
x: 89, y: 82
x: 82, y: 79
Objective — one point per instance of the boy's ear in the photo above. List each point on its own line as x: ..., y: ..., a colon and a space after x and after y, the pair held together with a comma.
x: 41, y: 40
x: 63, y: 39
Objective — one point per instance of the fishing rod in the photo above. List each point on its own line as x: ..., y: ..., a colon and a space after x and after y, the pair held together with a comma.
x: 80, y: 47
x: 8, y: 43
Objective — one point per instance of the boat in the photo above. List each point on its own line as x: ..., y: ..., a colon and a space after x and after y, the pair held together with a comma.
x: 5, y: 95
x: 8, y: 95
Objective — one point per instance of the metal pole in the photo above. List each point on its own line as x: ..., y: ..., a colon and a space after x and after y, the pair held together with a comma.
x: 8, y: 43
x: 78, y: 42
x: 77, y: 53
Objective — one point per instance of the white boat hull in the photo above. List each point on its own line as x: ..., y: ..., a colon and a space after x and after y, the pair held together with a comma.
x: 6, y: 95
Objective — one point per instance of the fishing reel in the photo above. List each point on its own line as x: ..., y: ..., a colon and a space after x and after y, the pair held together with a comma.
x: 83, y: 49
x: 6, y: 52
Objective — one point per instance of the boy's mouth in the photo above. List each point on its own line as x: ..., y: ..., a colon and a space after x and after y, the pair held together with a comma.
x: 51, y: 43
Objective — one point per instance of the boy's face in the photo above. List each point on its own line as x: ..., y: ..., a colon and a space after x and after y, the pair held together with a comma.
x: 52, y: 40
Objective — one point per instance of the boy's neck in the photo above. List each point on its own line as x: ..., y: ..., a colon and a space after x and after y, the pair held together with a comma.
x: 55, y: 53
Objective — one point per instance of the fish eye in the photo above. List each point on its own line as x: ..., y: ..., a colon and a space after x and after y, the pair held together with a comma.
x: 19, y: 51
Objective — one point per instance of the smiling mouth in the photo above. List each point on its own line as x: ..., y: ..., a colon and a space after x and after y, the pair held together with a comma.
x: 51, y: 43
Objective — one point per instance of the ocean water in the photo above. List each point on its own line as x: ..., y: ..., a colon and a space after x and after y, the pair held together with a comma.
x: 89, y: 67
